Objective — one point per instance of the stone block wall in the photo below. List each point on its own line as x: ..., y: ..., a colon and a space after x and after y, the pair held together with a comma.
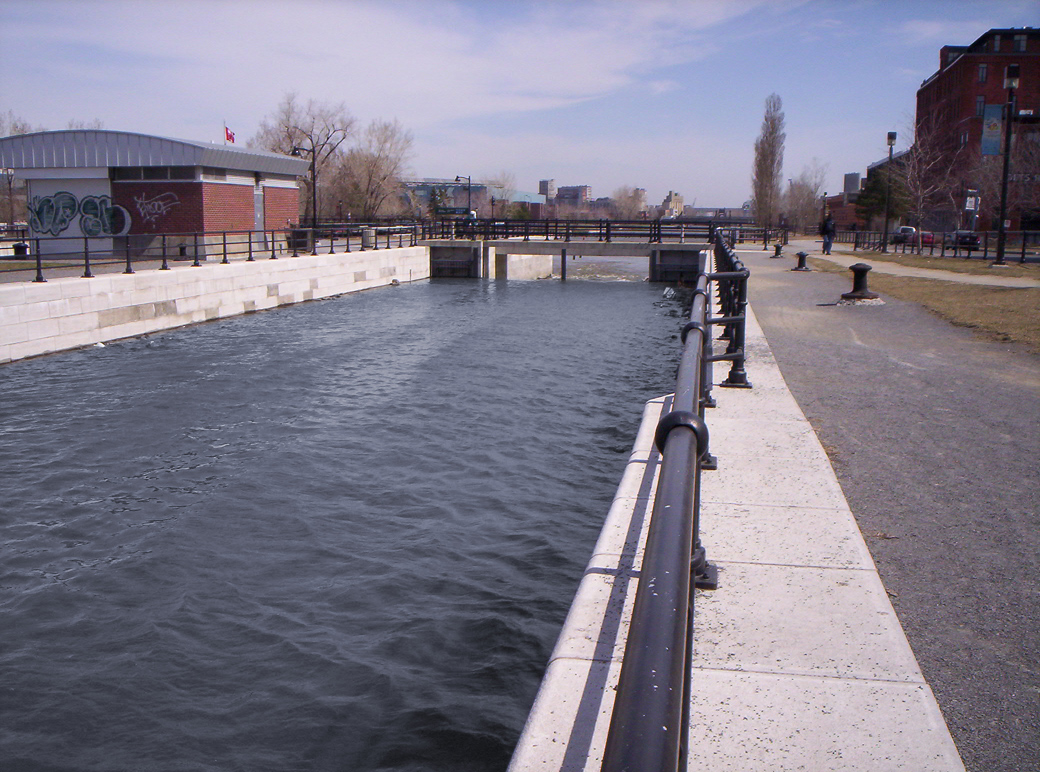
x: 66, y: 313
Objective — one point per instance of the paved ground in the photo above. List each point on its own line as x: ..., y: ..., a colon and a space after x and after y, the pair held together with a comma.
x: 934, y: 434
x: 935, y: 437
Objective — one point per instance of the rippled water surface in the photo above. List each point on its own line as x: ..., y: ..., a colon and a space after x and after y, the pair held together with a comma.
x: 338, y: 536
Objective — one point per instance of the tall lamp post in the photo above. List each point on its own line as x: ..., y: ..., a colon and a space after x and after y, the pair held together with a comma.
x: 9, y: 173
x: 469, y: 192
x: 1010, y: 83
x: 314, y: 181
x: 888, y: 189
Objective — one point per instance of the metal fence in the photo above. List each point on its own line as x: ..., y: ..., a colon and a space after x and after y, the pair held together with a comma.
x: 607, y: 231
x: 1025, y: 245
x: 650, y: 717
x: 59, y: 254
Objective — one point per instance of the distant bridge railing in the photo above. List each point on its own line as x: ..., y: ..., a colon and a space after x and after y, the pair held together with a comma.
x: 163, y: 251
x: 646, y: 231
x: 648, y: 727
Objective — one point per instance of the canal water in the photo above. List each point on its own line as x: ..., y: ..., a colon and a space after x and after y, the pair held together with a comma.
x: 337, y: 536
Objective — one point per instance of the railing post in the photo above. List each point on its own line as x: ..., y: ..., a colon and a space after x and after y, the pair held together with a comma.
x: 129, y: 268
x: 39, y: 264
x: 223, y: 242
x: 165, y: 264
x: 86, y: 259
x: 249, y: 257
x: 196, y: 264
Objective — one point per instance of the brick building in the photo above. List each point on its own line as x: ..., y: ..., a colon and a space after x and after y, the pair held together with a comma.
x: 121, y: 187
x: 967, y: 93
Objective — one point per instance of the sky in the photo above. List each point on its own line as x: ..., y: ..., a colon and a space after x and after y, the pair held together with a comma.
x: 659, y: 94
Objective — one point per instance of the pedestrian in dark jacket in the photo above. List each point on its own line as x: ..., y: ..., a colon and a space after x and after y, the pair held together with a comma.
x: 828, y: 230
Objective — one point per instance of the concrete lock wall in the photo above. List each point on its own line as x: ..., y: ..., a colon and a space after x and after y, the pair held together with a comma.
x: 66, y: 313
x: 520, y: 267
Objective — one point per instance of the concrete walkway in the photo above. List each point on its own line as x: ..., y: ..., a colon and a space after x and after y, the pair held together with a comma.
x: 934, y: 433
x: 800, y: 661
x: 844, y: 255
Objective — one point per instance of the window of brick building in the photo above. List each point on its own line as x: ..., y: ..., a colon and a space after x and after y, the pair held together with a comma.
x: 980, y: 106
x: 983, y: 72
x: 996, y: 42
x: 1020, y: 44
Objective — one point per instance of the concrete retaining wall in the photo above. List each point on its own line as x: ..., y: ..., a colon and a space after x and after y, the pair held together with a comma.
x: 66, y: 313
x: 521, y: 267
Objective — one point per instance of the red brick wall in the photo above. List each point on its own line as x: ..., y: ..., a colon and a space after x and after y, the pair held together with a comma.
x: 281, y: 207
x: 161, y: 207
x: 227, y: 207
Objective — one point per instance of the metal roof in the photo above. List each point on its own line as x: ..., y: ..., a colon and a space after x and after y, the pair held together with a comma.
x: 86, y: 148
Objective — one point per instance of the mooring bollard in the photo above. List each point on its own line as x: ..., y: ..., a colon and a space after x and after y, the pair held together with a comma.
x: 778, y: 248
x: 859, y: 284
x: 801, y: 262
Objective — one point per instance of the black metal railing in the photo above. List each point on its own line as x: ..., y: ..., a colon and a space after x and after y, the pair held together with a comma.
x: 607, y: 231
x: 164, y: 251
x: 1023, y: 245
x: 648, y: 726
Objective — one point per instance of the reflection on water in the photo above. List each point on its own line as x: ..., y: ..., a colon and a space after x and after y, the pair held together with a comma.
x: 339, y: 536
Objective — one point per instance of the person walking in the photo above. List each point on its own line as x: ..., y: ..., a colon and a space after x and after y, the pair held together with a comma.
x: 828, y: 230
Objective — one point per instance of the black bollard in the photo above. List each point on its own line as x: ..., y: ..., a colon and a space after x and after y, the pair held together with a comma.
x: 801, y: 262
x: 859, y: 284
x: 779, y: 248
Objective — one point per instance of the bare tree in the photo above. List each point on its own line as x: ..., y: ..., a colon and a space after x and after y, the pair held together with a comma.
x: 11, y: 124
x: 367, y: 177
x: 12, y: 192
x: 928, y: 172
x: 500, y: 187
x: 97, y: 123
x: 627, y: 203
x: 801, y: 200
x: 317, y: 128
x: 769, y: 163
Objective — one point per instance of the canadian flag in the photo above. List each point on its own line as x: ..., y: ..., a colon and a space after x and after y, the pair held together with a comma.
x: 229, y: 135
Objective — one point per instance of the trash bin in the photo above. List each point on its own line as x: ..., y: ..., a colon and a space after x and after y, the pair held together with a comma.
x: 368, y: 238
x: 298, y: 239
x: 21, y: 249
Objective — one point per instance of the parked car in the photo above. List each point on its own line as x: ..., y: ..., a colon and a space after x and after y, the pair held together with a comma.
x: 904, y: 234
x: 927, y: 238
x: 968, y: 239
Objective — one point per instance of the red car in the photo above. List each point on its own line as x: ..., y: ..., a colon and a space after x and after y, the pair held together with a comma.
x: 927, y: 238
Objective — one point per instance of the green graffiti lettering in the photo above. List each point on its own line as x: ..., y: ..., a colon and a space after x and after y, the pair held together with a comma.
x: 52, y: 214
x: 100, y: 217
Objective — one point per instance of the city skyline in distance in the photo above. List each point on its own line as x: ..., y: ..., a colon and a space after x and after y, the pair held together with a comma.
x: 659, y: 95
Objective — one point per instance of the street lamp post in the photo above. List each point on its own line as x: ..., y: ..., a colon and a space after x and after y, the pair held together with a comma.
x: 888, y: 189
x: 1010, y: 83
x: 469, y: 192
x: 9, y: 173
x: 314, y: 180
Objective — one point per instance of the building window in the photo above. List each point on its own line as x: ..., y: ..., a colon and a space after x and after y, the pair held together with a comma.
x: 980, y: 106
x: 964, y: 138
x: 1020, y: 44
x: 996, y: 42
x: 983, y: 72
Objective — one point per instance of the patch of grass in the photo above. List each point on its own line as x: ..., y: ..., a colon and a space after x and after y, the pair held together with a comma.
x: 1000, y: 313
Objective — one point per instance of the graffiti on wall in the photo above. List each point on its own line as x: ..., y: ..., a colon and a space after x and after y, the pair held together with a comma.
x: 52, y: 214
x: 151, y: 209
x: 98, y: 216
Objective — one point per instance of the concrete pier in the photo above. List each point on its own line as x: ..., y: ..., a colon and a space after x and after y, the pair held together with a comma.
x: 799, y: 659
